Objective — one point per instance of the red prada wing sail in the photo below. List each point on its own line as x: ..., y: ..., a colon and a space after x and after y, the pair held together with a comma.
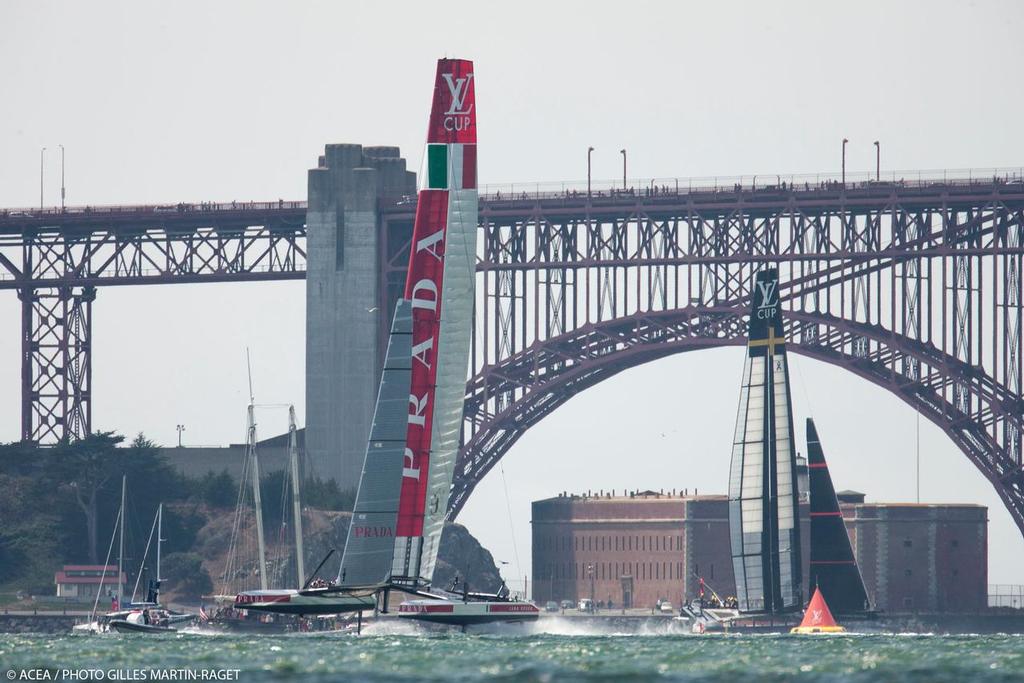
x: 439, y: 289
x: 453, y: 113
x: 423, y: 289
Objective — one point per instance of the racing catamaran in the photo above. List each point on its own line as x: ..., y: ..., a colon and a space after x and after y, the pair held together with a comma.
x: 763, y: 521
x: 763, y: 496
x: 402, y: 500
x: 764, y: 530
x: 440, y: 290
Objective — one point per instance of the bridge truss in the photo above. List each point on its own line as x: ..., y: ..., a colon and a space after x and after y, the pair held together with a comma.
x: 915, y: 287
x: 56, y: 260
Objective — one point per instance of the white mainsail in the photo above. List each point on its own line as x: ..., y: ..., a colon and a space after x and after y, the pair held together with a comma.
x: 369, y: 549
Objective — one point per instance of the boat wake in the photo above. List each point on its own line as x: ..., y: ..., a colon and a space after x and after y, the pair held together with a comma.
x: 572, y: 627
x: 394, y: 627
x: 202, y: 631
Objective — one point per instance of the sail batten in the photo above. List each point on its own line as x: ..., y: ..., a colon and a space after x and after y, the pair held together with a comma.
x: 763, y: 527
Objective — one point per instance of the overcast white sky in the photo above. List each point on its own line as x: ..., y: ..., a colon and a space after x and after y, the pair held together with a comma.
x: 193, y: 101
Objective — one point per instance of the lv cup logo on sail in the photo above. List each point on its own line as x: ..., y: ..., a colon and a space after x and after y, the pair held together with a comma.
x: 457, y: 118
x: 769, y: 299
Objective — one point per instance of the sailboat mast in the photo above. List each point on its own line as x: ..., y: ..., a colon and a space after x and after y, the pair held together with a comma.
x: 159, y: 536
x: 293, y: 457
x: 256, y: 499
x: 120, y: 551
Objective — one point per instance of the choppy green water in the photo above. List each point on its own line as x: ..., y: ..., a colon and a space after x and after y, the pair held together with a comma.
x: 456, y: 658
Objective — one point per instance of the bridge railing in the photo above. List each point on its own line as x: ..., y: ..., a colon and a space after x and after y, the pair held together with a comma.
x: 647, y: 187
x: 1006, y: 595
x: 154, y: 209
x: 601, y: 188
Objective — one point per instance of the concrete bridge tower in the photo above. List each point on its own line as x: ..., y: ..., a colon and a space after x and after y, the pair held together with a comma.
x: 342, y: 299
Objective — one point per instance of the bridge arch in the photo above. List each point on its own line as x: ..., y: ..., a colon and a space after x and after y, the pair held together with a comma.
x: 545, y: 376
x: 916, y: 287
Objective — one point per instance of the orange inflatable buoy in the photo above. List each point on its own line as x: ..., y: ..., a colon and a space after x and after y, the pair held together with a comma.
x: 818, y: 618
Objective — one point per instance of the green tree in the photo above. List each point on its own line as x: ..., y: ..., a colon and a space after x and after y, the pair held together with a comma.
x: 184, y: 574
x: 180, y: 527
x: 30, y: 536
x: 326, y: 495
x: 56, y: 502
x: 83, y: 468
x: 217, y: 490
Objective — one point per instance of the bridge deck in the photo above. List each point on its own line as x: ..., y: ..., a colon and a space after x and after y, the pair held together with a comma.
x: 670, y: 196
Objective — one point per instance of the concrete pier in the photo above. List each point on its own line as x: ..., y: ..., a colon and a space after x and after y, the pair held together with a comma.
x: 341, y: 301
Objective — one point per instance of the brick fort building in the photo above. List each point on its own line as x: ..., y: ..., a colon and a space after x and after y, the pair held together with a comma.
x: 632, y: 550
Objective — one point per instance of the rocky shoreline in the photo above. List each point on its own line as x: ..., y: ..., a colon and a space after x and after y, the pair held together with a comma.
x: 42, y: 622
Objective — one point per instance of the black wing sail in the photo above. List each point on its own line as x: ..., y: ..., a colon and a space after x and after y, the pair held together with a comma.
x: 833, y: 566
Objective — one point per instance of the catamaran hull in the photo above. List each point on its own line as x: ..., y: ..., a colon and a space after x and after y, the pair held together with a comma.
x: 294, y: 602
x: 122, y: 626
x: 467, y: 613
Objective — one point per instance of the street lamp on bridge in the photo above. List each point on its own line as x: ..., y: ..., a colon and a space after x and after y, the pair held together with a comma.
x: 62, y: 193
x: 878, y: 161
x: 590, y: 150
x: 623, y: 168
x: 42, y: 161
x: 844, y: 161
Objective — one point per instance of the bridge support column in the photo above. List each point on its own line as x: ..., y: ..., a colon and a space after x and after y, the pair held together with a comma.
x: 56, y: 367
x: 342, y: 309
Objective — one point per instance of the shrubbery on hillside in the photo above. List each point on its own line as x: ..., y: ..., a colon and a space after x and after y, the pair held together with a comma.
x: 60, y: 504
x: 184, y: 574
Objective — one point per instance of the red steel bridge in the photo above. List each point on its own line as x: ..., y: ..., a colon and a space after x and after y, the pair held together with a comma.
x: 914, y: 284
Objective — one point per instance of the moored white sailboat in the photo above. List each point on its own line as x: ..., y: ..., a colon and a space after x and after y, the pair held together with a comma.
x: 129, y: 611
x: 150, y: 616
x: 309, y: 600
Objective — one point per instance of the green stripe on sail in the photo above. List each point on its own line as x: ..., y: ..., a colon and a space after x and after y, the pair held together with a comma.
x: 437, y: 167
